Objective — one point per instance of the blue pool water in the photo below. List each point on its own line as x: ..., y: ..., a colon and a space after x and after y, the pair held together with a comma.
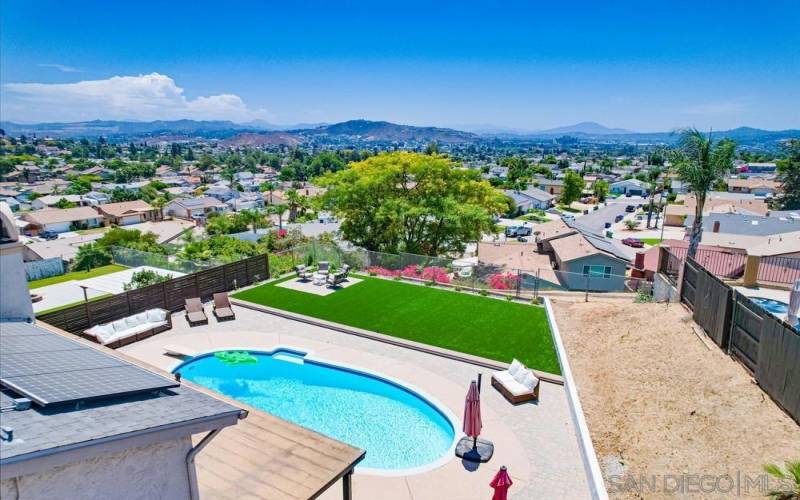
x: 398, y: 428
x: 773, y: 306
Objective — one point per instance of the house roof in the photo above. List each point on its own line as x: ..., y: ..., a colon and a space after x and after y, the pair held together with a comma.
x: 55, y: 198
x: 125, y: 208
x: 55, y: 215
x: 42, y: 431
x: 536, y: 194
x: 753, y: 183
x: 198, y: 202
x: 553, y: 229
x: 573, y: 247
x: 748, y: 225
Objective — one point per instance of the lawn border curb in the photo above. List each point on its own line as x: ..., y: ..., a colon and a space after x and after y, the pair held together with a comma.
x: 387, y: 339
x: 589, y: 456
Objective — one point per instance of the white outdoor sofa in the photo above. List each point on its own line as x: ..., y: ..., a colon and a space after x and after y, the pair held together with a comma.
x: 517, y: 384
x: 130, y: 329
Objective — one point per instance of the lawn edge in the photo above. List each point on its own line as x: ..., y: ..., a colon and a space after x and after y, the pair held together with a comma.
x: 396, y: 341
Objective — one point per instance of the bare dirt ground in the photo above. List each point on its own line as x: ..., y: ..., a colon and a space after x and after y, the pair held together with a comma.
x: 663, y: 406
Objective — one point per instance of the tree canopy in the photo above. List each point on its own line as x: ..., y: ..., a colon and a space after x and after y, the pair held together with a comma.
x: 412, y: 202
x: 789, y: 177
x: 573, y: 187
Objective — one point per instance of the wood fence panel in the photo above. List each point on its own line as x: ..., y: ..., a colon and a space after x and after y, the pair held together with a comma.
x: 235, y: 275
x: 778, y: 368
x: 149, y: 297
x: 211, y: 281
x: 257, y: 269
x: 712, y: 306
x: 75, y: 319
x: 689, y: 287
x: 746, y: 328
x: 178, y: 290
x: 109, y: 309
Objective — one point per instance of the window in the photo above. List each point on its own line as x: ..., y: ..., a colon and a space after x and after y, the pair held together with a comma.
x: 597, y: 271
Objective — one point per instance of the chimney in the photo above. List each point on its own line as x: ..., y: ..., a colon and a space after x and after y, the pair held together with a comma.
x: 716, y: 227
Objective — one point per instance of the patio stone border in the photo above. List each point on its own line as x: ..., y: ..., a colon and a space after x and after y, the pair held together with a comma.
x: 590, y: 464
x: 407, y: 344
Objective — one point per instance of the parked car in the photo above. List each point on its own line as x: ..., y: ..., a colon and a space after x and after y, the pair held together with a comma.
x: 522, y: 239
x: 633, y: 242
x: 630, y: 209
x: 567, y: 217
x: 619, y: 218
x: 517, y: 231
x: 48, y: 235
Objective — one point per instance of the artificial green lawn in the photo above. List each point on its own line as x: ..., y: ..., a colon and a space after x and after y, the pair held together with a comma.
x: 77, y: 275
x: 482, y: 326
x: 651, y: 241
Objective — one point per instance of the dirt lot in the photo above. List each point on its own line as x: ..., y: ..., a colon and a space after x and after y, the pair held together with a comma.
x: 663, y: 406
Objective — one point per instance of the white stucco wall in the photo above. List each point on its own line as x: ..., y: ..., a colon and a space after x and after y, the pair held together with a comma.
x: 156, y: 471
x: 15, y: 299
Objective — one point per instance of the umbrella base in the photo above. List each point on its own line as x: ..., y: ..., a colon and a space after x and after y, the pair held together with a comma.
x: 480, y: 453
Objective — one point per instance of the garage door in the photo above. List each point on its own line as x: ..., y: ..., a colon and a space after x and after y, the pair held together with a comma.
x: 131, y: 219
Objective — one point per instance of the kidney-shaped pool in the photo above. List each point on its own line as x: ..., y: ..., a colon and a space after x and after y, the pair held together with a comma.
x: 400, y: 429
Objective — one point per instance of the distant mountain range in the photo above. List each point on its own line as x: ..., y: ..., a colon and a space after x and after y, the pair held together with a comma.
x: 261, y: 133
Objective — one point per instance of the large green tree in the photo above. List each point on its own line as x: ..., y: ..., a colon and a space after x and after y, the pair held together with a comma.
x: 573, y: 187
x: 412, y: 202
x: 700, y: 162
x: 90, y: 256
x: 789, y: 177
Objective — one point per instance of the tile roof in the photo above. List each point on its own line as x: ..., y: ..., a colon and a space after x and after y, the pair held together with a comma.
x: 55, y: 215
x: 125, y: 208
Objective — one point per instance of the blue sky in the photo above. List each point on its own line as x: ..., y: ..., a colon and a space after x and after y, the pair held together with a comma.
x: 646, y: 66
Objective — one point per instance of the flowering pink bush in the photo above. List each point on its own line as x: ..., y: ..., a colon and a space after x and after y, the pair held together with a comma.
x: 502, y: 281
x: 411, y: 271
x: 437, y: 274
x: 382, y: 271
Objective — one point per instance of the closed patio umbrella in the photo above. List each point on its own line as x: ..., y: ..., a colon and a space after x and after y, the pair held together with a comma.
x: 794, y: 303
x: 472, y: 414
x: 501, y: 483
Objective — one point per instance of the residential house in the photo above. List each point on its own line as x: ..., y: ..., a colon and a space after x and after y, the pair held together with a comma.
x: 246, y: 201
x: 531, y: 198
x: 12, y: 203
x: 60, y: 220
x: 195, y: 208
x: 758, y: 168
x: 222, y: 193
x: 756, y: 186
x: 551, y: 186
x: 582, y: 265
x: 96, y: 198
x: 632, y: 187
x: 50, y: 200
x: 128, y: 212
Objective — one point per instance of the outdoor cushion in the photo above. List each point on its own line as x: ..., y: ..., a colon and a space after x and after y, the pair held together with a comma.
x: 516, y: 388
x: 530, y: 381
x: 156, y: 315
x: 132, y: 322
x: 503, y: 377
x: 119, y: 325
x: 520, y: 375
x: 102, y: 332
x: 515, y: 367
x: 141, y: 317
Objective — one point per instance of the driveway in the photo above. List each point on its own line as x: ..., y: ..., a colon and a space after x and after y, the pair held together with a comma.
x: 596, y: 219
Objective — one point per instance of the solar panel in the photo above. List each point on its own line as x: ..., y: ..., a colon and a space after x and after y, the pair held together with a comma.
x: 50, y: 369
x: 84, y: 385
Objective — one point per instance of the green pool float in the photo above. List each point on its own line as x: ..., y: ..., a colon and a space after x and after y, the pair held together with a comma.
x: 235, y: 357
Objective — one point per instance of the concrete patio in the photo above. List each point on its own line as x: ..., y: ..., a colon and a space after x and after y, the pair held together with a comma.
x: 537, y: 442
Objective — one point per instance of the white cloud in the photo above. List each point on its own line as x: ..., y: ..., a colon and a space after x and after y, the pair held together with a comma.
x: 61, y: 67
x: 144, y: 97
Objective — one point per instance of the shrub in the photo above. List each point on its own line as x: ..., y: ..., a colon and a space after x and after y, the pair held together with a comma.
x: 436, y: 274
x: 373, y: 273
x: 536, y: 301
x: 457, y: 288
x: 642, y: 298
x: 509, y: 298
x: 484, y: 292
x: 145, y: 278
x: 503, y: 281
x: 430, y: 283
x: 382, y: 271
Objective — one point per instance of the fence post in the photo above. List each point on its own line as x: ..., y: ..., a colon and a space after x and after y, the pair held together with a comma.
x: 519, y: 282
x: 536, y: 285
x: 751, y: 270
x: 586, y: 299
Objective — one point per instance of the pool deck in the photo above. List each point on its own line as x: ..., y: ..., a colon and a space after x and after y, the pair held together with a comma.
x: 537, y: 442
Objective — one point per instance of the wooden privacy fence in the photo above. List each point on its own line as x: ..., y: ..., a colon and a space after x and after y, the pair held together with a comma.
x: 764, y: 343
x: 169, y: 295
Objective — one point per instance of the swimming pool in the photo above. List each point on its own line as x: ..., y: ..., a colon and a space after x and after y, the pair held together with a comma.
x: 774, y: 306
x: 400, y: 429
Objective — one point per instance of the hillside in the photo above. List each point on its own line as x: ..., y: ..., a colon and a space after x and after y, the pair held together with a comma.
x: 386, y: 131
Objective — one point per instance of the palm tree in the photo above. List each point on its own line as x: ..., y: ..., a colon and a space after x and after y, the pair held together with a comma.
x: 269, y: 187
x: 789, y: 477
x: 700, y: 163
x: 294, y: 203
x: 159, y: 204
x: 279, y: 210
x: 253, y: 218
x: 652, y: 177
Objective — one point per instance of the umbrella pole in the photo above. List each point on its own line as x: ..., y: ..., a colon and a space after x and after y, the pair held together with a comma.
x: 479, y: 381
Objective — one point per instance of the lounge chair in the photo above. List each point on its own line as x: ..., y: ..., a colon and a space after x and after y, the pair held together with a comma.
x: 339, y: 277
x: 517, y: 384
x: 324, y: 267
x: 195, y: 314
x: 222, y: 307
x: 305, y: 273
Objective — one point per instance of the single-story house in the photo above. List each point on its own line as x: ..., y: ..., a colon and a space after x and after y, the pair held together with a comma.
x: 194, y: 208
x: 222, y: 193
x: 755, y: 186
x: 13, y: 204
x: 580, y: 265
x: 538, y: 198
x: 551, y: 186
x: 128, y: 212
x: 60, y: 220
x: 522, y: 204
x: 96, y: 198
x: 50, y: 200
x: 633, y: 187
x: 246, y: 201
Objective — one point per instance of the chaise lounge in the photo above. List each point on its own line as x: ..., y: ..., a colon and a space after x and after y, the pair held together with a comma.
x: 338, y: 278
x: 130, y: 329
x: 305, y: 273
x: 517, y: 384
x: 222, y: 307
x: 195, y: 314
